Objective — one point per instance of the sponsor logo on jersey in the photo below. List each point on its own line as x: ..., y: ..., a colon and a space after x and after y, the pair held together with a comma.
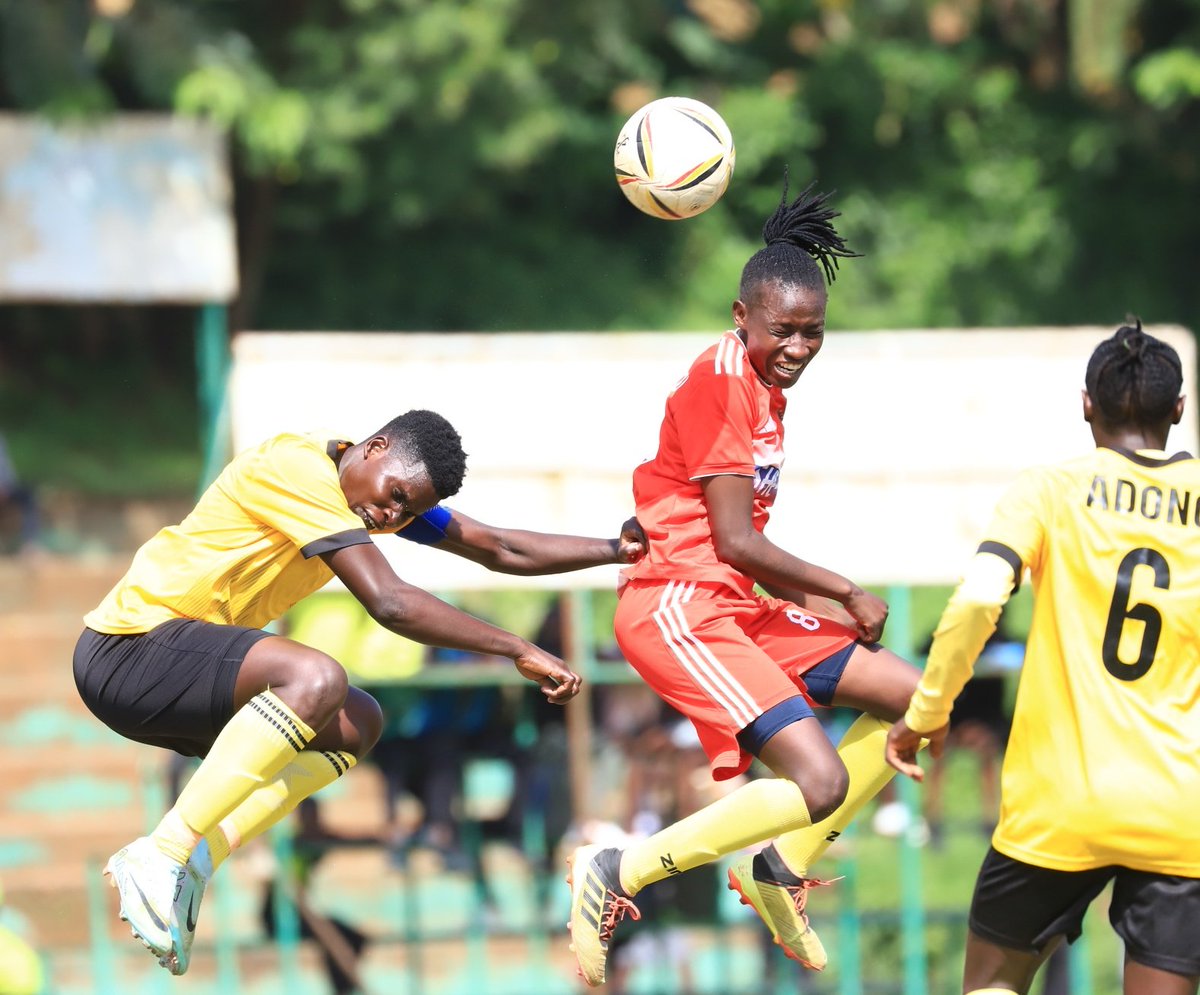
x: 766, y: 482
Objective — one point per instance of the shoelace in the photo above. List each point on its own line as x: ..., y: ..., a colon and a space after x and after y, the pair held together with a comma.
x: 799, y: 893
x: 615, y: 908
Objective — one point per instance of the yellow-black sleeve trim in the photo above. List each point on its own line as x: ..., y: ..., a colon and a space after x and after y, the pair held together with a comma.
x: 1009, y: 556
x: 339, y: 540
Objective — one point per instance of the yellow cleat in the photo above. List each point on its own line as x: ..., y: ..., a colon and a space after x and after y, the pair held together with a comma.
x: 779, y: 898
x: 598, y: 904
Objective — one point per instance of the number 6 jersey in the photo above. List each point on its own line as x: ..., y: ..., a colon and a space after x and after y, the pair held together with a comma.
x: 1103, y: 764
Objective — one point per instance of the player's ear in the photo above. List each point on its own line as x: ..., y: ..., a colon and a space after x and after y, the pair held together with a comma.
x: 739, y: 313
x: 1087, y: 405
x: 1177, y: 414
x: 376, y: 445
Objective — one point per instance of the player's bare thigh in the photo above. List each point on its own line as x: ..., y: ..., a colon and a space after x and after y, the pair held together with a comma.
x: 877, y: 681
x: 989, y: 965
x: 1140, y: 979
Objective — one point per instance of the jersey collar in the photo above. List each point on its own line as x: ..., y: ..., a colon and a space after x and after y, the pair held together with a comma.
x: 334, y: 449
x: 1151, y: 457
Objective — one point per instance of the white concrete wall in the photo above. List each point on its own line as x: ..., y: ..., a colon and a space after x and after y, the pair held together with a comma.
x: 898, y: 442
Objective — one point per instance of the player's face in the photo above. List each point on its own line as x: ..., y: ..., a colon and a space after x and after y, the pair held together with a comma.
x: 783, y: 327
x: 385, y: 488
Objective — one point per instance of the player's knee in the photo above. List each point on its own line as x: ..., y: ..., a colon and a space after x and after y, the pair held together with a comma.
x: 366, y: 717
x: 826, y: 800
x: 825, y: 789
x: 320, y: 687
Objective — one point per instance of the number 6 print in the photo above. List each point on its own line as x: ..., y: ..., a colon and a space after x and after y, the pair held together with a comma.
x: 1120, y: 610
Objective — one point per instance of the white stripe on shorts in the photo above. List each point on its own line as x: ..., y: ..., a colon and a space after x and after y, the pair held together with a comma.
x: 697, y: 659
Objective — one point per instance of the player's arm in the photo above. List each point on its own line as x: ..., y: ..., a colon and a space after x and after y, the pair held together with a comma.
x: 967, y: 623
x: 730, y: 502
x: 517, y: 551
x: 418, y: 615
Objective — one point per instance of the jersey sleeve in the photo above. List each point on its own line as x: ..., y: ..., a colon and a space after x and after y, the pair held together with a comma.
x: 1018, y: 528
x: 293, y: 488
x: 967, y: 623
x: 716, y: 415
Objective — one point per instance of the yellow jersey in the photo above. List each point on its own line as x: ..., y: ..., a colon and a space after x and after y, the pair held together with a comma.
x: 250, y: 548
x: 1103, y: 763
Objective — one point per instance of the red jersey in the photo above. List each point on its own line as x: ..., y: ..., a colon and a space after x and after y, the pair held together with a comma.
x: 721, y: 419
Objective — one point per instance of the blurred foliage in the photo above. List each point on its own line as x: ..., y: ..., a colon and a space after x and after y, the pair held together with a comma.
x: 446, y: 164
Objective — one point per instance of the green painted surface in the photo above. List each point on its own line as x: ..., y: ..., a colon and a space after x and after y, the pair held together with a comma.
x: 72, y: 794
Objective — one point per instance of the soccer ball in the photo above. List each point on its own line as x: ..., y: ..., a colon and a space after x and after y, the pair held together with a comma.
x: 674, y: 158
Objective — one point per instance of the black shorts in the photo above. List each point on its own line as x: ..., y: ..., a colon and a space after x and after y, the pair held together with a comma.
x: 170, y: 687
x: 1023, y: 907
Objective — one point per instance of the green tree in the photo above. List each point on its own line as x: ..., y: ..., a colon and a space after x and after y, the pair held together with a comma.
x: 446, y: 164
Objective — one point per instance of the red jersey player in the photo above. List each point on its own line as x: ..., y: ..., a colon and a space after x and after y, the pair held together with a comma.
x: 746, y: 669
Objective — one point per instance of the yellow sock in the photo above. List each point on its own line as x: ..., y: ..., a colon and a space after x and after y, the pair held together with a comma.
x: 263, y: 736
x: 307, y: 774
x: 755, y: 812
x: 218, y: 846
x: 861, y: 750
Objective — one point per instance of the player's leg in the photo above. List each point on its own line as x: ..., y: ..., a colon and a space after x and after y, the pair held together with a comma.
x: 776, y: 881
x: 341, y: 741
x: 1158, y: 917
x: 1019, y: 915
x: 698, y: 650
x: 161, y: 688
x: 690, y: 645
x: 990, y: 967
x: 202, y: 689
x: 872, y: 679
x: 605, y: 879
x: 878, y: 683
x: 284, y: 694
x: 1143, y: 980
x: 334, y: 750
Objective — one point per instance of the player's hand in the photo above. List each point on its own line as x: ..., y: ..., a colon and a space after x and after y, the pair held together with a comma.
x: 558, y: 683
x: 903, y: 743
x: 870, y: 612
x: 632, y: 544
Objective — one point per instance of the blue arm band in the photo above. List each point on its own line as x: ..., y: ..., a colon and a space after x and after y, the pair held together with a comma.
x: 428, y: 529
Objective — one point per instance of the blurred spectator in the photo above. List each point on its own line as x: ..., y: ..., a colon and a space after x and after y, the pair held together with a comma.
x: 20, y: 499
x: 428, y: 737
x: 341, y: 944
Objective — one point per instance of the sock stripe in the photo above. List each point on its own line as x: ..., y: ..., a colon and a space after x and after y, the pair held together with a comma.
x: 337, y: 760
x: 287, y: 715
x: 281, y: 720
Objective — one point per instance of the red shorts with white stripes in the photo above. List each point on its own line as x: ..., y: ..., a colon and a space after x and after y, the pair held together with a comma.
x: 720, y: 658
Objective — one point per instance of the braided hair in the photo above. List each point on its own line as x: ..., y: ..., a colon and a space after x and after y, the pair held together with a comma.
x: 1134, y: 378
x: 798, y: 237
x: 428, y: 437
